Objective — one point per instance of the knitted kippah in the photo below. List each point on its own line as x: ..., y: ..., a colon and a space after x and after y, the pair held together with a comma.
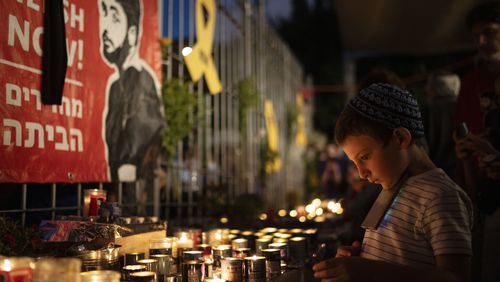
x: 391, y: 106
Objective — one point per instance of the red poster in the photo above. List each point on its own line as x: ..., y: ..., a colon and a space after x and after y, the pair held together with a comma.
x: 111, y: 110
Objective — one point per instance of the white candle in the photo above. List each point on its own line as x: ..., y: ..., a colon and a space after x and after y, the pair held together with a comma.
x: 184, y: 241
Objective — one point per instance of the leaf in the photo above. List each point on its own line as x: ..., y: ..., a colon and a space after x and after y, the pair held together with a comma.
x: 178, y: 103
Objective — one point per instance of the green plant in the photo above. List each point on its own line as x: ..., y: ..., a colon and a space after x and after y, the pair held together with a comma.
x: 178, y: 103
x: 16, y: 240
x: 247, y: 99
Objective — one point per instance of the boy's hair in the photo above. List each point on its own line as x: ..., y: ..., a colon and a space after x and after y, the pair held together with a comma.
x: 377, y: 111
x: 488, y: 12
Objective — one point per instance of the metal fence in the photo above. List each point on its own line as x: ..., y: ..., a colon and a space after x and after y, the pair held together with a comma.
x: 212, y: 162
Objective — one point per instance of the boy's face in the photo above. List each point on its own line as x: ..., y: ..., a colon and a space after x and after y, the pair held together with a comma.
x: 378, y: 163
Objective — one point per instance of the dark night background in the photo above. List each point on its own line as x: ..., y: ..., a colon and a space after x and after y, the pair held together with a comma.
x: 311, y: 29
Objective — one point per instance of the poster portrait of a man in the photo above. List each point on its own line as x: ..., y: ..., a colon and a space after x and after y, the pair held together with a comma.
x: 133, y: 114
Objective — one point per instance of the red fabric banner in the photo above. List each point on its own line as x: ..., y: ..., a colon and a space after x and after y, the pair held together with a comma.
x: 68, y: 142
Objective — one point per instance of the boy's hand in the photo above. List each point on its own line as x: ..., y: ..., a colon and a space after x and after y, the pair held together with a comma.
x: 347, y: 251
x: 342, y: 269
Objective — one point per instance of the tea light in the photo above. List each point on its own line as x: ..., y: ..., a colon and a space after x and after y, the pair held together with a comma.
x: 143, y: 276
x: 208, y: 267
x: 100, y: 276
x: 191, y: 255
x: 239, y: 243
x: 218, y: 237
x: 260, y: 244
x: 91, y: 201
x: 242, y: 252
x: 164, y: 263
x: 221, y: 252
x: 184, y: 242
x: 16, y: 268
x: 65, y: 269
x: 284, y: 251
x: 192, y: 270
x: 268, y: 230
x: 205, y: 249
x: 273, y: 262
x: 129, y: 269
x: 255, y: 268
x: 151, y: 264
x: 214, y: 280
x: 298, y: 249
x: 132, y: 258
x: 232, y: 269
x: 234, y: 231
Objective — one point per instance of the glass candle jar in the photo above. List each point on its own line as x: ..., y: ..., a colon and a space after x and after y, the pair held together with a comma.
x: 100, y: 276
x: 16, y: 269
x: 57, y: 270
x: 92, y: 199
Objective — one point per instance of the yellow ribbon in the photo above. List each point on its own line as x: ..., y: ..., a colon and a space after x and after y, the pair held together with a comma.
x: 301, y: 137
x: 200, y: 61
x: 272, y: 137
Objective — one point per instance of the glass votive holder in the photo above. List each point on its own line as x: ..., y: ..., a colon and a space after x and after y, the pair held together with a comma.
x: 184, y: 239
x: 151, y: 264
x: 173, y: 278
x: 57, y: 270
x: 242, y: 253
x: 235, y: 231
x: 273, y: 262
x: 129, y: 269
x: 164, y: 263
x: 191, y: 255
x: 220, y: 252
x: 218, y: 237
x: 192, y: 271
x: 232, y: 269
x: 100, y: 276
x: 261, y: 244
x: 298, y: 249
x: 205, y: 249
x: 92, y: 199
x: 284, y: 250
x: 254, y: 268
x: 161, y: 246
x: 132, y: 258
x: 143, y: 276
x: 239, y: 243
x: 16, y: 268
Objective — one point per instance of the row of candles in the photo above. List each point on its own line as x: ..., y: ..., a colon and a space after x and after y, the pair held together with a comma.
x: 191, y: 255
x: 231, y: 255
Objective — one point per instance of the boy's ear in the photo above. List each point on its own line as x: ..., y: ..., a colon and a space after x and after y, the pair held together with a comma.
x: 402, y: 136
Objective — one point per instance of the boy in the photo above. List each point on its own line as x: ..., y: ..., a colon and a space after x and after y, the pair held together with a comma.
x: 425, y: 234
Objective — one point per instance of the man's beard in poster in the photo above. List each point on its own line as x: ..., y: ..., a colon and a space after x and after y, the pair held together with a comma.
x: 119, y: 55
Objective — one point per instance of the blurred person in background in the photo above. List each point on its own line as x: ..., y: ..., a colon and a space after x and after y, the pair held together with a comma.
x: 484, y: 23
x: 332, y: 177
x: 441, y: 94
x: 476, y: 151
x: 479, y: 163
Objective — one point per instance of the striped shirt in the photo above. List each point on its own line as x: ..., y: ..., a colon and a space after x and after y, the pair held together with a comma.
x: 430, y: 216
